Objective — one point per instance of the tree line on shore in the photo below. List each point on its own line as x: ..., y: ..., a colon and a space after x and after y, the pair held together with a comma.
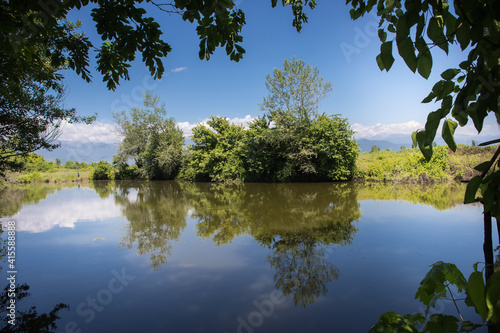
x: 292, y: 141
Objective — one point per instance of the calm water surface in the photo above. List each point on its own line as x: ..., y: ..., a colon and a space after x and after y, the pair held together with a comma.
x: 184, y: 257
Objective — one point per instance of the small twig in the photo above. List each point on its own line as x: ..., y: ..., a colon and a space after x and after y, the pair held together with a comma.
x: 487, y: 143
x: 161, y: 6
x: 492, y: 161
x: 455, y: 302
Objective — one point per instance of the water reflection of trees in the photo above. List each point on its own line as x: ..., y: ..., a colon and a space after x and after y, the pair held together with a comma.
x: 30, y: 320
x: 299, y: 223
x: 13, y: 198
x: 440, y: 195
x: 156, y: 212
x: 302, y: 270
x: 25, y: 321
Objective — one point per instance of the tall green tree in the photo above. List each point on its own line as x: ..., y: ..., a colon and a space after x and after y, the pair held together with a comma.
x: 294, y: 142
x: 294, y: 93
x: 152, y: 141
x: 32, y: 114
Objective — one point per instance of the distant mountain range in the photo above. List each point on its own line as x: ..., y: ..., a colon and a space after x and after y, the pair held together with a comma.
x: 366, y: 145
x: 396, y: 141
x: 81, y: 152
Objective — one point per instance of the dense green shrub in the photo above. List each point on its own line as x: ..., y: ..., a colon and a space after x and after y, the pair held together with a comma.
x: 216, y: 152
x: 102, y: 171
x: 125, y: 171
x: 319, y: 149
x: 29, y: 178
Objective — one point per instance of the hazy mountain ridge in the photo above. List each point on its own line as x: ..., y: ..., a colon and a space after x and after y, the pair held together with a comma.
x: 395, y: 141
x: 81, y: 152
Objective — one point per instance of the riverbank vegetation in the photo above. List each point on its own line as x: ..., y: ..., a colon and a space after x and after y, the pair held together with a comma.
x: 408, y: 165
x: 227, y: 160
x: 33, y: 168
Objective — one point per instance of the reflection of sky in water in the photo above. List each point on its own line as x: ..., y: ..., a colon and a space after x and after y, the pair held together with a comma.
x: 64, y: 208
x: 208, y: 288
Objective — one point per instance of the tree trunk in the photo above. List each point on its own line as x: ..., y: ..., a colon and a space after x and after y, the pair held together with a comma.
x: 488, y: 246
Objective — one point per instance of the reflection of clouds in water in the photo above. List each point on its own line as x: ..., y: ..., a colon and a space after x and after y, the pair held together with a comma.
x: 64, y: 208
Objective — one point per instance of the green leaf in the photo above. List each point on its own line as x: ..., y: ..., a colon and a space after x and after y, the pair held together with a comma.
x: 449, y: 127
x: 439, y: 323
x: 468, y: 326
x: 475, y: 291
x: 407, y: 52
x: 435, y: 32
x: 471, y: 190
x: 449, y: 74
x: 393, y: 322
x: 429, y: 97
x: 434, y: 284
x: 446, y: 105
x: 382, y: 35
x: 414, y: 139
x: 438, y: 87
x: 483, y: 166
x: 432, y: 124
x: 424, y: 144
x: 420, y: 27
x: 463, y: 35
x: 402, y: 29
x: 424, y: 65
x: 492, y: 295
x: 380, y: 63
x: 386, y: 55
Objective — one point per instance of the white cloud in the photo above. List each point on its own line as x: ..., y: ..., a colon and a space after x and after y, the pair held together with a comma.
x: 178, y: 69
x: 381, y: 131
x: 97, y: 132
x: 187, y: 127
x: 384, y: 130
x: 242, y: 121
x: 470, y: 130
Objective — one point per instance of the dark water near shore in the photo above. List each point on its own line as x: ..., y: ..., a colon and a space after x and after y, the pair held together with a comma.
x: 191, y: 257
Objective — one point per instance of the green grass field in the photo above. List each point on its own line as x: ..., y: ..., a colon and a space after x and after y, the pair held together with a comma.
x: 408, y: 165
x: 52, y: 176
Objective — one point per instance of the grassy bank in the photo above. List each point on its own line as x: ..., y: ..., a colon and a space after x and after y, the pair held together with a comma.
x: 408, y: 165
x: 51, y: 176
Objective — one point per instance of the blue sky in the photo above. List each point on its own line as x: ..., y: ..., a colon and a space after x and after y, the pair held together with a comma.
x: 344, y: 51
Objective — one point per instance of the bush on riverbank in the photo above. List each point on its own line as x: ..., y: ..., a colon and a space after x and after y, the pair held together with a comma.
x: 408, y: 165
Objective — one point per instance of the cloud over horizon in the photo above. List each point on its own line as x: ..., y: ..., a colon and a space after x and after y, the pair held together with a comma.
x: 100, y: 132
x: 97, y: 132
x: 385, y: 130
x: 187, y: 127
x: 381, y: 131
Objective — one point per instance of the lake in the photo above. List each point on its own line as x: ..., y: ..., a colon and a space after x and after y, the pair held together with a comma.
x: 199, y: 257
